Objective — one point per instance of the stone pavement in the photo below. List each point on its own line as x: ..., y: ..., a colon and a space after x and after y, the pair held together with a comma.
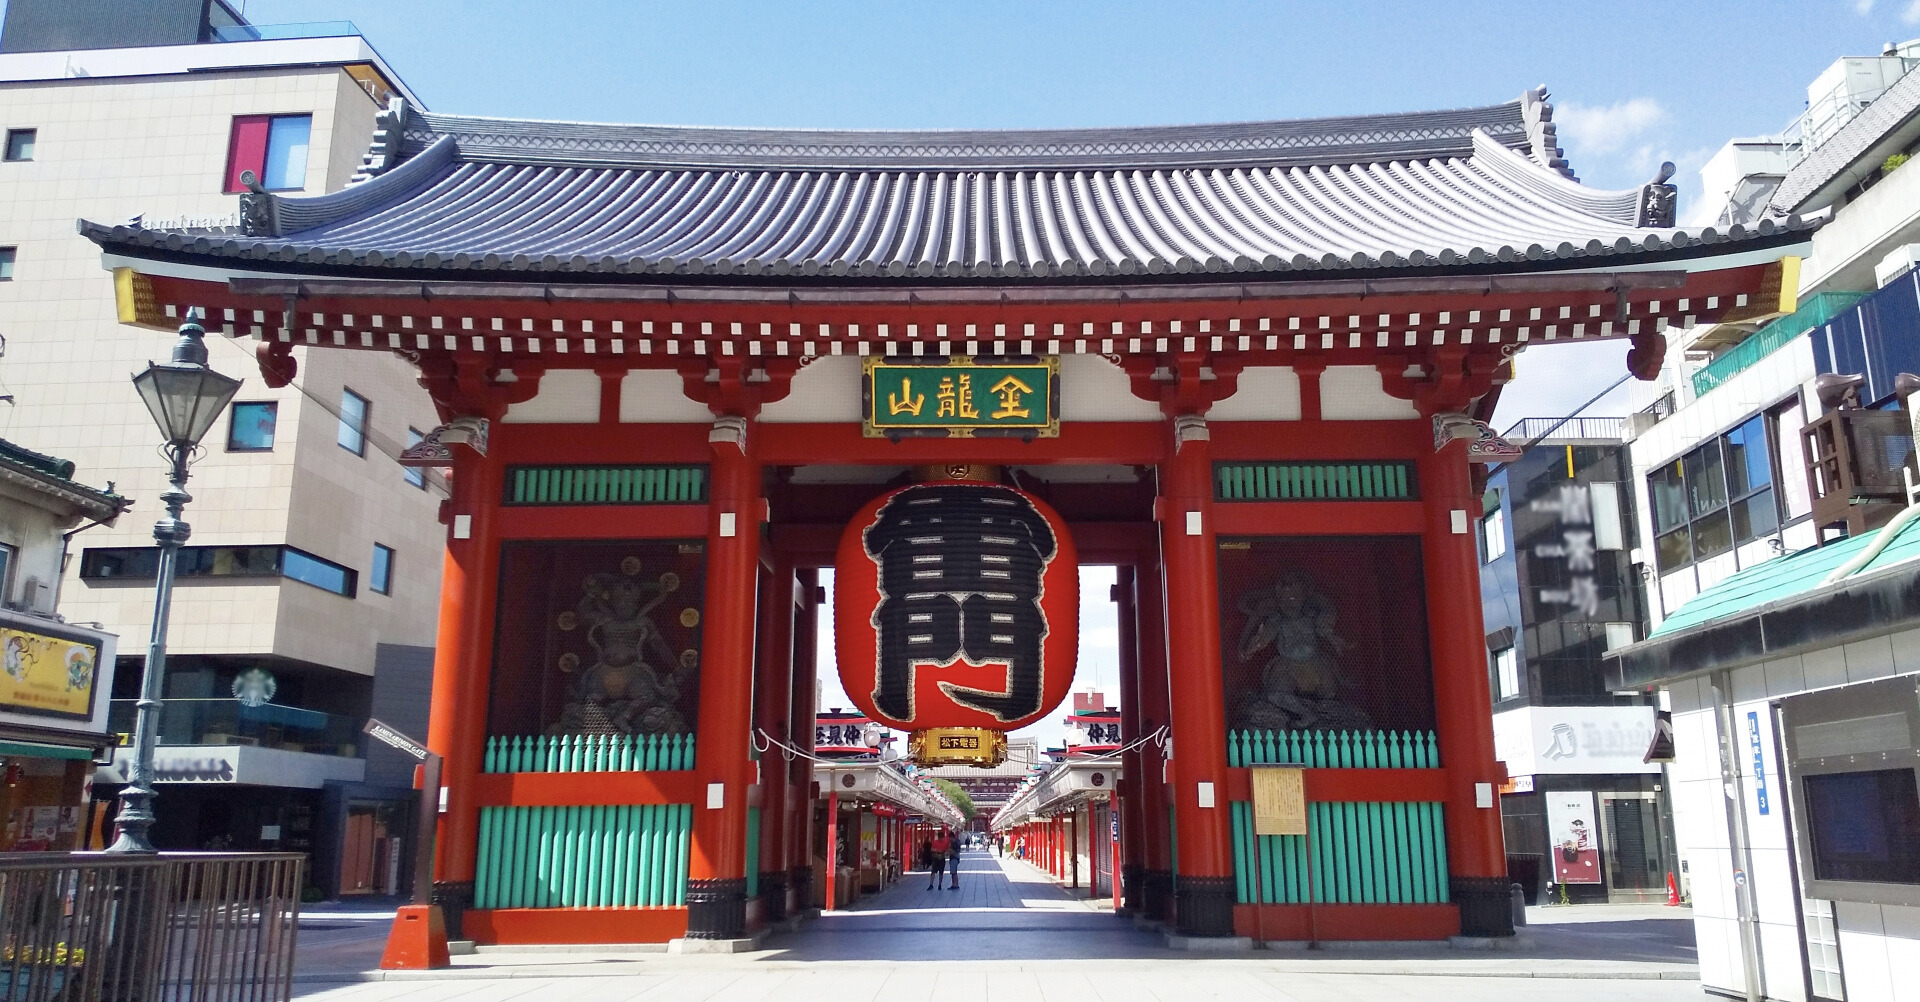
x: 1010, y: 934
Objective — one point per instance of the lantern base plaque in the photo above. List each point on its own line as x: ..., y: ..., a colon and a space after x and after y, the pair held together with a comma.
x: 976, y: 746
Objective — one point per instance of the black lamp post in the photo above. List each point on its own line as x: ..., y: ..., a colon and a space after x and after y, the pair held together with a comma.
x: 185, y: 396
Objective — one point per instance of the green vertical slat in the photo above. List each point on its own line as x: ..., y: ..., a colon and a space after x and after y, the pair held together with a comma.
x: 681, y: 854
x: 1376, y: 853
x: 483, y: 865
x: 540, y: 824
x: 753, y: 853
x: 520, y: 859
x: 650, y: 759
x: 1242, y: 877
x: 1430, y: 876
x: 629, y: 855
x: 1438, y: 814
x: 649, y: 851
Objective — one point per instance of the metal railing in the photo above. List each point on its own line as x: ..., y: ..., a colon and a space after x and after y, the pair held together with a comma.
x: 1526, y: 430
x: 173, y: 927
x: 270, y: 32
x: 1817, y: 310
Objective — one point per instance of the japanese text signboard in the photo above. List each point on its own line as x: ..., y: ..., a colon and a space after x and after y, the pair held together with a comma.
x: 47, y: 673
x: 960, y: 398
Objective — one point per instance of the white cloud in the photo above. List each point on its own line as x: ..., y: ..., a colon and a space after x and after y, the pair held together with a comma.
x: 1912, y: 14
x: 1610, y: 128
x: 1863, y: 7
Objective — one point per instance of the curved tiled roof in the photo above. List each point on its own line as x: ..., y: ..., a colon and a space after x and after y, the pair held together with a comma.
x: 1380, y: 193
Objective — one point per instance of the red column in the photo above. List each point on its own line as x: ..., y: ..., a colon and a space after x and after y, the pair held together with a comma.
x: 1128, y: 872
x: 800, y: 724
x: 1156, y: 890
x: 773, y: 691
x: 1476, y: 856
x: 832, y: 855
x: 462, y: 672
x: 1204, y: 888
x: 716, y: 886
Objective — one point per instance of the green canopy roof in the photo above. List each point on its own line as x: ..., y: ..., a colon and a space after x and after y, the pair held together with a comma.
x: 1785, y: 578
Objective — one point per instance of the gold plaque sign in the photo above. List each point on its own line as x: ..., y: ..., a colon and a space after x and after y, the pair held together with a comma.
x: 1279, y: 800
x: 957, y: 746
x: 959, y: 397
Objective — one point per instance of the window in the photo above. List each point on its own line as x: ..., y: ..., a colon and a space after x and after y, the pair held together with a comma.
x: 1865, y: 826
x: 135, y: 563
x: 6, y: 583
x: 20, y: 144
x: 382, y: 570
x: 273, y: 147
x: 6, y: 264
x: 416, y: 475
x: 1493, y: 535
x: 1619, y: 635
x: 353, y: 423
x: 1506, y: 673
x: 251, y: 428
x: 1715, y: 498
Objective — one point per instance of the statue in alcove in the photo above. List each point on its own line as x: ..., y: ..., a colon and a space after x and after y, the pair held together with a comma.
x: 1301, y: 686
x: 635, y: 683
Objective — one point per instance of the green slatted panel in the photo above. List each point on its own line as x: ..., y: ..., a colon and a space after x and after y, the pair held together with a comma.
x: 1315, y: 481
x: 589, y: 753
x: 1335, y: 749
x: 1363, y: 853
x: 564, y: 485
x: 618, y: 856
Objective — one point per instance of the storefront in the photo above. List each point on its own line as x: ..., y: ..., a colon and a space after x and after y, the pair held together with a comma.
x: 53, y: 727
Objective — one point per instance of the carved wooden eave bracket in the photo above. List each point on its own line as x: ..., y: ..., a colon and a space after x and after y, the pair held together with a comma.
x: 1183, y: 384
x: 732, y: 386
x: 1449, y: 378
x: 471, y: 386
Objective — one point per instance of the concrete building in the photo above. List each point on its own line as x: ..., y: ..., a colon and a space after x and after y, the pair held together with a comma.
x: 53, y: 705
x: 1583, y: 812
x: 1766, y: 461
x: 307, y: 595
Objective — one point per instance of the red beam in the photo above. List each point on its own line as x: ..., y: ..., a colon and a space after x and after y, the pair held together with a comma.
x: 666, y: 521
x: 1317, y: 518
x: 588, y: 789
x: 1284, y: 440
x: 1120, y: 443
x: 574, y: 925
x: 1363, y: 785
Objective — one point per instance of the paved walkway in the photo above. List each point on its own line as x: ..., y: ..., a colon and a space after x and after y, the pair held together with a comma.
x: 1010, y: 934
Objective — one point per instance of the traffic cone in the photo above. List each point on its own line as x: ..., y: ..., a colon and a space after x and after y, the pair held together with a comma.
x: 1673, y: 890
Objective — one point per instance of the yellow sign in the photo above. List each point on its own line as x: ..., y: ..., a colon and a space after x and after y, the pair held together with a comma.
x: 49, y: 675
x: 1279, y: 800
x: 960, y: 397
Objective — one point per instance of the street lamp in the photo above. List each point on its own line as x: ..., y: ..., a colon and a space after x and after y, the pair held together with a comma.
x: 185, y: 396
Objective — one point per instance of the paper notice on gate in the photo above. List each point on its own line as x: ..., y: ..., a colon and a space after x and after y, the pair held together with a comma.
x: 1279, y: 800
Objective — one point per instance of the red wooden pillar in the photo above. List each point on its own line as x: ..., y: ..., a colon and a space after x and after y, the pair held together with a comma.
x: 716, y: 885
x: 773, y: 691
x: 1156, y: 884
x: 833, y: 848
x: 1476, y: 856
x: 1204, y: 889
x: 1127, y: 872
x: 801, y: 718
x: 462, y: 673
x: 1113, y: 848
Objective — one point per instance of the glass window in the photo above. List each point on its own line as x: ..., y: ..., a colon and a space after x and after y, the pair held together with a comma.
x: 1705, y: 478
x: 1787, y: 423
x: 323, y: 574
x: 1675, y: 549
x: 416, y: 475
x: 1865, y: 826
x: 1493, y: 534
x: 1619, y: 635
x: 1748, y: 467
x: 20, y: 143
x: 1506, y: 673
x: 6, y: 567
x: 251, y: 429
x: 1712, y: 535
x: 6, y: 264
x: 1669, y: 498
x: 353, y: 423
x: 273, y: 147
x: 1756, y: 516
x: 382, y: 576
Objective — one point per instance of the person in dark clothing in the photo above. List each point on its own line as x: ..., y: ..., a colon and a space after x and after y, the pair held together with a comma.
x: 941, y: 846
x: 924, y: 861
x: 953, y: 865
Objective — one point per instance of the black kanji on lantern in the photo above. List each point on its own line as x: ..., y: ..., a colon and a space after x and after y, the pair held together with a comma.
x: 960, y: 579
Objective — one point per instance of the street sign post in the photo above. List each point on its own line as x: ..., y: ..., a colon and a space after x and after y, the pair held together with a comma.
x: 429, y: 812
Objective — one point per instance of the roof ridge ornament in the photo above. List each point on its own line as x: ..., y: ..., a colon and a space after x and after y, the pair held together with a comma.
x: 1543, y: 140
x: 259, y: 208
x: 1657, y: 199
x: 383, y: 152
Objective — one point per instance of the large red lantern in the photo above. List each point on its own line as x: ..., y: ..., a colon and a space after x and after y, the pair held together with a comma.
x: 957, y: 613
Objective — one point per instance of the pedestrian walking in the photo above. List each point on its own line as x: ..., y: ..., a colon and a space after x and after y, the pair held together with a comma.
x: 924, y: 861
x: 940, y: 846
x: 953, y: 865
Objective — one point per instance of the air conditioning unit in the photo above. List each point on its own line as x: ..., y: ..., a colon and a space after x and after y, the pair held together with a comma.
x: 1895, y: 264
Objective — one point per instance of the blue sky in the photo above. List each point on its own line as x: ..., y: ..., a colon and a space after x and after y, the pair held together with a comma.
x: 1633, y: 83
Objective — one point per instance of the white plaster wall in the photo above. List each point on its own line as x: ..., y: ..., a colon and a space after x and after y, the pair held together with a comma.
x: 1264, y: 393
x: 109, y: 148
x: 34, y: 533
x: 1355, y: 393
x: 566, y: 396
x: 1094, y: 389
x: 656, y: 396
x: 825, y: 389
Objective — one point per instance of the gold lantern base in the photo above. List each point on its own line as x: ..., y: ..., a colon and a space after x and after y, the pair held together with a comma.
x: 976, y: 746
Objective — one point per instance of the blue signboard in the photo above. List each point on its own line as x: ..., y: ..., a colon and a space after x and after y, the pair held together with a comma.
x: 1759, y: 761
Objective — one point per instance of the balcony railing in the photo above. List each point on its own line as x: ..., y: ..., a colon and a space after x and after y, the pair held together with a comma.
x: 1815, y: 311
x: 1527, y: 429
x: 272, y: 32
x: 231, y: 722
x: 172, y: 927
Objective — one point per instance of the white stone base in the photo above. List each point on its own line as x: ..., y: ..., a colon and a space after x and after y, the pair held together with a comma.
x: 687, y: 946
x: 1209, y: 944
